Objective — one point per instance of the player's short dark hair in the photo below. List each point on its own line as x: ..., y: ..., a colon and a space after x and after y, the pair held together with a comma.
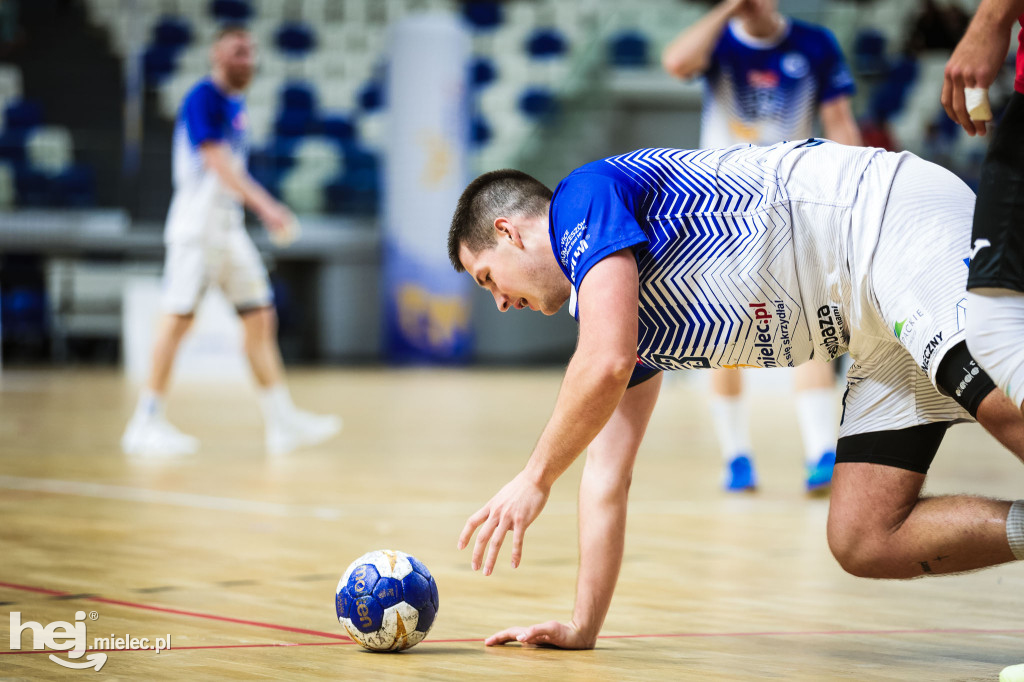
x: 494, y: 194
x: 229, y: 30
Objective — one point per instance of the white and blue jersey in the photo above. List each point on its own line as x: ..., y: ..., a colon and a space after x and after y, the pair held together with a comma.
x: 740, y: 257
x: 762, y: 92
x: 206, y: 115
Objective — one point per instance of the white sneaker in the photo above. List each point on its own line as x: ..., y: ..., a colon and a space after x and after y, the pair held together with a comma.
x: 156, y: 437
x: 299, y: 428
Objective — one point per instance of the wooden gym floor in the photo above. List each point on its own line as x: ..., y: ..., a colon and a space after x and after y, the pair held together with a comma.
x: 237, y: 557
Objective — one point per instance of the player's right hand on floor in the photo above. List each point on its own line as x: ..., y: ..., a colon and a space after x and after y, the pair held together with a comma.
x: 512, y: 509
x: 552, y: 633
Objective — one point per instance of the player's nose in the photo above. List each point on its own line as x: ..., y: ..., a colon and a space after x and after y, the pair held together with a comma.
x: 501, y: 300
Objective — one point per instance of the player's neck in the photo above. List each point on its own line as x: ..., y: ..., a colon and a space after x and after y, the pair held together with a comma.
x: 765, y: 27
x: 220, y: 80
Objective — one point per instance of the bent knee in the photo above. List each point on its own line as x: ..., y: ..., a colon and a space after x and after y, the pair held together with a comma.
x: 868, y: 553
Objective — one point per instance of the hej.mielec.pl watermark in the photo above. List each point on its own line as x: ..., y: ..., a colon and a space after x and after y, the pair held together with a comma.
x: 71, y: 637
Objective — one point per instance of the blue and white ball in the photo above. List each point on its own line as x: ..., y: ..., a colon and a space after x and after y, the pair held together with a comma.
x: 387, y: 600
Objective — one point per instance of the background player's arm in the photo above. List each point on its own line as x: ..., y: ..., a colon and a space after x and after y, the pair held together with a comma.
x: 217, y: 157
x: 978, y: 57
x: 689, y: 54
x: 604, y: 491
x: 838, y: 122
x: 594, y: 383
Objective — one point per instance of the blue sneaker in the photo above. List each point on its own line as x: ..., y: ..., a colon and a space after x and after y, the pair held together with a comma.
x: 819, y: 476
x: 740, y: 475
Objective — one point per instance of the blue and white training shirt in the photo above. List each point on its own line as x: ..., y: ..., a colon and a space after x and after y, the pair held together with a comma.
x: 766, y: 91
x: 206, y: 115
x: 742, y: 252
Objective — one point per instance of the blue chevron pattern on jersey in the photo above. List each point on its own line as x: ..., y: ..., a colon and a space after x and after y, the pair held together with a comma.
x: 711, y: 232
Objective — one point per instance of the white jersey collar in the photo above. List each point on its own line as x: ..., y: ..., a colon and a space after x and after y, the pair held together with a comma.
x: 736, y: 26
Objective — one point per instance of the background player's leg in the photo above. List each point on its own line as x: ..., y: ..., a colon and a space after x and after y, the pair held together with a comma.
x: 815, y: 409
x: 287, y: 427
x: 149, y: 432
x: 879, y: 527
x: 732, y: 426
x: 260, y: 328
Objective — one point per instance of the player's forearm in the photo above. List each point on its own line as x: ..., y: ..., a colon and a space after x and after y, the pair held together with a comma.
x: 689, y: 54
x: 997, y: 14
x: 219, y: 161
x: 592, y: 389
x: 602, y: 514
x: 845, y: 132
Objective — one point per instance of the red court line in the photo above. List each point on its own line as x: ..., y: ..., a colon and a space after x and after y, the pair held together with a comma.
x: 177, y: 612
x: 477, y: 640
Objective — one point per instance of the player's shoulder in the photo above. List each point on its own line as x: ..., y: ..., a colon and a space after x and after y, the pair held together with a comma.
x: 204, y: 91
x: 811, y: 37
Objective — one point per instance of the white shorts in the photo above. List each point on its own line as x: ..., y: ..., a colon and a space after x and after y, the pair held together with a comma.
x: 911, y: 299
x: 224, y: 256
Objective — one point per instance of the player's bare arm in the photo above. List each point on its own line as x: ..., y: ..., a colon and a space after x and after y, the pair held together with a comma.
x: 977, y: 58
x: 689, y: 54
x: 838, y: 122
x: 594, y: 383
x: 274, y: 214
x: 604, y: 490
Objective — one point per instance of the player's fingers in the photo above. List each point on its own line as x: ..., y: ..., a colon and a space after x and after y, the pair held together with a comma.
x: 503, y: 637
x: 960, y: 108
x: 518, y: 531
x: 482, y: 538
x: 947, y: 97
x: 471, y: 525
x: 494, y: 546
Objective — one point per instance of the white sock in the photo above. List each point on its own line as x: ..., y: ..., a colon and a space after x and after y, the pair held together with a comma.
x: 815, y: 410
x: 150, y: 405
x: 1015, y: 529
x: 276, y: 402
x: 732, y: 426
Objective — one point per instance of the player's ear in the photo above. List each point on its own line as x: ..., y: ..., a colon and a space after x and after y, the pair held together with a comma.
x: 507, y: 230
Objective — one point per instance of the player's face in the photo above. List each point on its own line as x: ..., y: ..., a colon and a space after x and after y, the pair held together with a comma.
x: 518, y: 274
x: 759, y: 9
x: 235, y: 54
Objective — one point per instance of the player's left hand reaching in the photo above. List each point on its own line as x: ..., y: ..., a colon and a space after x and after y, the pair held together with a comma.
x: 512, y: 509
x: 552, y: 633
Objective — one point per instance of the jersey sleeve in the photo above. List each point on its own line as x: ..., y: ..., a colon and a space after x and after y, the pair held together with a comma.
x: 592, y: 218
x: 203, y: 117
x: 834, y: 77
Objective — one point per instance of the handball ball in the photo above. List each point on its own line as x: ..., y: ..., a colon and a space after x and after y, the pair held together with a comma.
x: 386, y: 600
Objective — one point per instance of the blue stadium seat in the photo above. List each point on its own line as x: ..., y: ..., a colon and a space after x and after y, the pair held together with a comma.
x: 480, y: 131
x: 295, y: 39
x: 33, y: 188
x: 371, y: 97
x: 12, y: 147
x: 869, y: 52
x: 546, y: 43
x: 339, y: 129
x: 357, y: 190
x: 75, y: 187
x: 159, y: 62
x: 231, y: 10
x: 172, y: 32
x: 298, y: 96
x: 482, y: 16
x: 537, y: 102
x: 628, y: 49
x: 890, y: 96
x: 482, y: 71
x: 23, y: 115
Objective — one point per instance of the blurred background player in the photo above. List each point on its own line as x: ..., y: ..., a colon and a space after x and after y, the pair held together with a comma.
x: 766, y: 76
x: 207, y: 245
x: 996, y: 281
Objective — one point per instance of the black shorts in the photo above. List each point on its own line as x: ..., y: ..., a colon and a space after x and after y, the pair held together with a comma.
x: 999, y: 213
x: 912, y: 448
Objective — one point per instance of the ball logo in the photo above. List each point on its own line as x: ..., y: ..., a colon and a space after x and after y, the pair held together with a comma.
x: 363, y: 611
x: 360, y: 585
x: 795, y: 65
